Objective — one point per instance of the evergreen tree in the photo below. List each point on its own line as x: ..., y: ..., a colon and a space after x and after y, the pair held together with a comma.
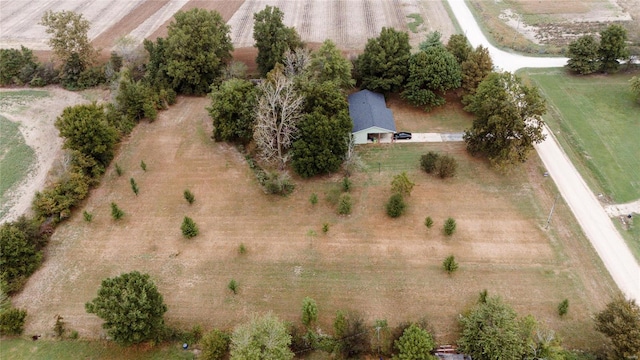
x: 382, y: 67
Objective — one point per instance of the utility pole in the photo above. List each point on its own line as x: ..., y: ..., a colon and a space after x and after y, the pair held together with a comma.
x: 551, y: 212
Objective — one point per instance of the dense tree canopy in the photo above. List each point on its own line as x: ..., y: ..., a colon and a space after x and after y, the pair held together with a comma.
x: 232, y: 110
x: 69, y: 40
x: 613, y: 47
x: 18, y: 258
x: 620, y: 322
x: 431, y: 73
x: 415, y: 344
x: 433, y: 38
x: 132, y: 308
x: 458, y: 45
x: 272, y: 38
x: 583, y: 55
x: 17, y: 66
x: 475, y: 69
x: 263, y: 337
x: 198, y: 48
x: 508, y: 119
x: 382, y: 67
x: 85, y: 128
x: 491, y: 331
x: 328, y: 64
x: 322, y: 140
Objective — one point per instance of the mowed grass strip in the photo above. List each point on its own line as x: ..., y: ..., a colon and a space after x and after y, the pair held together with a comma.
x: 19, y: 349
x: 381, y: 267
x: 16, y: 158
x: 20, y: 97
x: 596, y: 119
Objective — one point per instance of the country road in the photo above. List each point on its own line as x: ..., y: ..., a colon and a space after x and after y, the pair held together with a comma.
x: 591, y: 216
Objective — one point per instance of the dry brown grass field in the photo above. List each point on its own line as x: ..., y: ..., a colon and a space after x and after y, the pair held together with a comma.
x: 383, y: 268
x: 549, y: 26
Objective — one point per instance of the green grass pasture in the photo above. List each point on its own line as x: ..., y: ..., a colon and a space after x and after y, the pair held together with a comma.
x: 16, y: 158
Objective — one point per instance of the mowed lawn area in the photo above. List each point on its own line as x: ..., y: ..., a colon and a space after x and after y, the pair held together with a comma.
x: 597, y: 121
x: 383, y: 268
x: 16, y: 157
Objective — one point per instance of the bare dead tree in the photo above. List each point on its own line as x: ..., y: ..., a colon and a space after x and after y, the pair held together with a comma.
x: 277, y: 114
x: 352, y: 161
x: 296, y: 61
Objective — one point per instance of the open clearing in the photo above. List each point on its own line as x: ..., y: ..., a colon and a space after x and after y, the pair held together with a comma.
x: 35, y: 111
x: 387, y: 269
x: 595, y: 119
x: 16, y: 158
x: 549, y: 26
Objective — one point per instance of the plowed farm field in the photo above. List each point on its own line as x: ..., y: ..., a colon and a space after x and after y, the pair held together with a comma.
x: 349, y: 23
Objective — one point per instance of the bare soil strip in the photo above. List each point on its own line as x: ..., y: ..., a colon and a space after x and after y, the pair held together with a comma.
x: 128, y: 23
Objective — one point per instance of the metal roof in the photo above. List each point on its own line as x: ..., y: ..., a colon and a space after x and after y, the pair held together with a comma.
x: 368, y: 109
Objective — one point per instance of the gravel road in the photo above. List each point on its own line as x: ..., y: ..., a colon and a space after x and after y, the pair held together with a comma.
x: 591, y: 216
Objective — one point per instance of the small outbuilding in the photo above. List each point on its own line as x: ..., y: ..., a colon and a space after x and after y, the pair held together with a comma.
x: 372, y: 120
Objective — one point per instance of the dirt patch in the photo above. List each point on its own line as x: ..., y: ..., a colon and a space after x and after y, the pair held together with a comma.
x: 387, y: 269
x: 534, y: 26
x: 37, y: 120
x: 127, y: 24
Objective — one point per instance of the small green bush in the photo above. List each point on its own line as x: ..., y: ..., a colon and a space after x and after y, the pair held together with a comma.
x: 449, y: 226
x: 189, y: 228
x: 563, y: 307
x: 188, y: 195
x: 134, y: 186
x: 59, y: 328
x: 116, y: 212
x: 12, y: 321
x: 87, y: 216
x: 242, y: 249
x: 215, y: 345
x: 428, y: 222
x: 233, y: 286
x: 313, y: 199
x: 428, y: 161
x: 74, y: 335
x: 344, y: 204
x: 446, y: 166
x: 278, y: 184
x: 119, y: 170
x: 449, y: 264
x: 143, y: 165
x: 325, y: 228
x: 346, y: 184
x: 396, y: 206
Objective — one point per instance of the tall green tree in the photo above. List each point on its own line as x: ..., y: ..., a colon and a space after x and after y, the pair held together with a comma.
x: 328, y: 64
x: 18, y: 258
x: 508, y: 119
x: 415, y: 344
x: 272, y: 38
x: 131, y: 307
x: 198, y: 49
x: 263, y: 337
x: 613, y: 47
x: 382, y: 67
x: 156, y: 68
x: 458, y: 45
x: 475, y: 69
x: 433, y: 38
x: 69, y: 40
x: 309, y: 311
x: 232, y: 110
x: 620, y: 322
x: 85, y: 128
x: 431, y: 73
x: 491, y: 331
x: 583, y: 55
x: 321, y: 141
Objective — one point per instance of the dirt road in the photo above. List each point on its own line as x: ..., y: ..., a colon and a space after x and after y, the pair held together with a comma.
x: 593, y: 219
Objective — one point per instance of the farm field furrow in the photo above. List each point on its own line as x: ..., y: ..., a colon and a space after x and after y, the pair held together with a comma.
x: 384, y: 268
